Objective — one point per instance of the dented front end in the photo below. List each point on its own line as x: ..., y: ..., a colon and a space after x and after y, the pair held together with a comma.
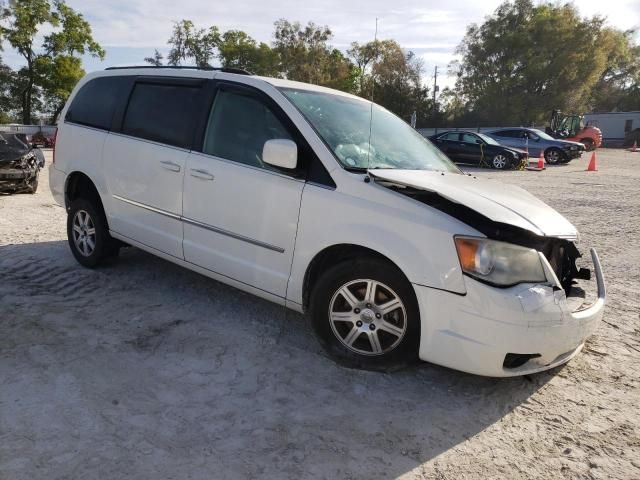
x: 512, y: 329
x: 19, y: 174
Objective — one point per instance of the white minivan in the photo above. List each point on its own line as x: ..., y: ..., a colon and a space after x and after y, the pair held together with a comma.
x: 328, y: 204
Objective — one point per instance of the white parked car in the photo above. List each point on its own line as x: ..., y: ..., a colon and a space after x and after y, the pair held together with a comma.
x: 327, y: 204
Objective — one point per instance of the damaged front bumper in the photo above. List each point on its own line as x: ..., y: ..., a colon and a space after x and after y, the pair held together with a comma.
x: 503, y: 332
x: 17, y: 175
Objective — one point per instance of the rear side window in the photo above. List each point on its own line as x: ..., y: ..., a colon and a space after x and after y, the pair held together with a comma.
x: 162, y: 113
x: 96, y: 101
x: 508, y: 133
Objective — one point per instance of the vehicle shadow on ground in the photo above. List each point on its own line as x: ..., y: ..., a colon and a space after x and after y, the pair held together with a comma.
x: 142, y: 367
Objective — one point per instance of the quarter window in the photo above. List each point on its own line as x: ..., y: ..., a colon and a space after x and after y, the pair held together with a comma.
x: 162, y: 113
x: 96, y: 101
x: 239, y: 126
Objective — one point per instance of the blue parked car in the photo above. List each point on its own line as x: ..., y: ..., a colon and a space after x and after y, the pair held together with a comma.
x: 534, y: 140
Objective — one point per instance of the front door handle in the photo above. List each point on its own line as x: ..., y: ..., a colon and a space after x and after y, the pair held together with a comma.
x: 174, y: 167
x: 202, y: 174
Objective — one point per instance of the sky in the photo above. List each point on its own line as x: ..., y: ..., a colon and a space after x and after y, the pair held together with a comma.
x: 129, y: 30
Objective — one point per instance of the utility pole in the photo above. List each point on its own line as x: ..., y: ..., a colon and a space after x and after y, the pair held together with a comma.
x: 435, y: 90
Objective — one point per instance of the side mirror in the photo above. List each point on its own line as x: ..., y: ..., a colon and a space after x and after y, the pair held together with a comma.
x: 281, y: 153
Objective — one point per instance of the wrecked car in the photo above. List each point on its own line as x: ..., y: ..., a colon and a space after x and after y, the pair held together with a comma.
x: 19, y: 165
x: 329, y: 205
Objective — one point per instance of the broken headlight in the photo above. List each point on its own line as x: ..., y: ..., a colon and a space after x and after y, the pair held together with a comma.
x: 499, y: 263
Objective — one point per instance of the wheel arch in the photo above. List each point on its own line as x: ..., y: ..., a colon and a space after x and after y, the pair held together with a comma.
x: 332, y: 255
x: 79, y: 185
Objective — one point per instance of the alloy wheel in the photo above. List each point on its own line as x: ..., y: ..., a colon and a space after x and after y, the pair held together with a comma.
x: 367, y: 317
x: 553, y: 157
x: 84, y: 233
x: 499, y: 161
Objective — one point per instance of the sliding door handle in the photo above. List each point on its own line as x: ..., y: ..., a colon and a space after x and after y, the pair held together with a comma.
x: 174, y: 167
x: 202, y: 174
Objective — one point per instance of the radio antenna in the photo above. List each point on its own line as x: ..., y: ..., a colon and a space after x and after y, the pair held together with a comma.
x: 375, y: 43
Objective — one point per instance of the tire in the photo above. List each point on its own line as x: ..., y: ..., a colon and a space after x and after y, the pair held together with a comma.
x: 33, y: 186
x: 553, y: 156
x: 378, y: 340
x: 85, y: 218
x: 500, y: 162
x: 589, y: 144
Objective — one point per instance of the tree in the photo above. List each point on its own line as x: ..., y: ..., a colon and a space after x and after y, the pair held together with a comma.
x: 156, y: 60
x: 21, y: 22
x: 189, y: 43
x: 619, y: 85
x: 392, y: 78
x: 238, y: 50
x: 526, y: 60
x: 306, y: 56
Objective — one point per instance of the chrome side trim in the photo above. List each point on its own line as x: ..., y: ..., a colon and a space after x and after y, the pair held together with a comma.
x: 237, y: 236
x: 147, y: 207
x: 205, y: 226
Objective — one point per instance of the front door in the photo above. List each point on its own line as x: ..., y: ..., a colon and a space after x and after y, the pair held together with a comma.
x: 241, y: 215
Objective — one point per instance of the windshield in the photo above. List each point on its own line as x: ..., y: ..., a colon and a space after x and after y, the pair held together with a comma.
x: 542, y: 134
x: 346, y: 124
x: 487, y: 139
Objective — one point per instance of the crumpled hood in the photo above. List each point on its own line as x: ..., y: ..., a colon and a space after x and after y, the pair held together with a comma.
x: 497, y: 201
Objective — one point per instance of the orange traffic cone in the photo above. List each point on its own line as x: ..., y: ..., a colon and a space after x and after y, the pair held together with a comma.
x: 541, y: 161
x: 592, y: 163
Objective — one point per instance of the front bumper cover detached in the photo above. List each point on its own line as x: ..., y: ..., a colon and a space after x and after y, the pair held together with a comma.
x: 506, y: 332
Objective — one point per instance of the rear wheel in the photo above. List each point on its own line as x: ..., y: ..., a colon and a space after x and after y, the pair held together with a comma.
x: 589, y: 144
x: 88, y: 233
x: 553, y: 156
x: 366, y: 315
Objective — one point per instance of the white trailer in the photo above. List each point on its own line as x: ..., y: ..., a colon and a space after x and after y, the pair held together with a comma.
x: 614, y: 125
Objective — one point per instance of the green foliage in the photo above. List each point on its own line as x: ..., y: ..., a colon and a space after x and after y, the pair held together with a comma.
x: 306, y: 56
x: 238, y: 50
x: 526, y: 60
x: 392, y: 78
x: 191, y: 43
x: 53, y: 67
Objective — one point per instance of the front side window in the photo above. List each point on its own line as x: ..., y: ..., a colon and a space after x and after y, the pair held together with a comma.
x: 451, y: 136
x: 239, y: 126
x: 363, y: 135
x: 96, y: 101
x: 469, y: 138
x: 162, y: 113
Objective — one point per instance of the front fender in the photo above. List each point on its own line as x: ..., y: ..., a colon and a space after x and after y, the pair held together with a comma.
x: 416, y: 238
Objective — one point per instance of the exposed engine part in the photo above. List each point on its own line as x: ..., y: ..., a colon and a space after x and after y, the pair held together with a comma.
x: 561, y: 254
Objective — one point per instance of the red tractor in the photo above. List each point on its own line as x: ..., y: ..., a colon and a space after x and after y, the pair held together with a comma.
x: 572, y: 128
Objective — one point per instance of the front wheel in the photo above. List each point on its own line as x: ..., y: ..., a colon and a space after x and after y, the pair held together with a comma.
x: 366, y: 315
x: 553, y: 156
x: 500, y: 162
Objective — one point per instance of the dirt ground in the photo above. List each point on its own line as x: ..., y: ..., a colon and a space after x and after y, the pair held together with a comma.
x: 144, y: 370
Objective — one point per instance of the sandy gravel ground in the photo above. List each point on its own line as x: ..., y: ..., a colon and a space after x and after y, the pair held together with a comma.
x: 144, y: 370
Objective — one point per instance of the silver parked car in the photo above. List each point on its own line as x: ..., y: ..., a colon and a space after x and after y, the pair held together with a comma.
x: 534, y: 140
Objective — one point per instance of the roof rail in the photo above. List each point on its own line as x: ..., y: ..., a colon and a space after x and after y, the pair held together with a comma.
x: 238, y: 71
